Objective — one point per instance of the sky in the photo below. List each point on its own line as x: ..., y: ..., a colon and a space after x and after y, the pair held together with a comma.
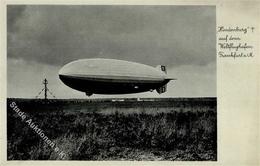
x: 41, y: 39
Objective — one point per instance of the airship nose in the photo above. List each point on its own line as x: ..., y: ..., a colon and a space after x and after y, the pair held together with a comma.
x: 63, y: 75
x: 61, y: 71
x: 68, y: 69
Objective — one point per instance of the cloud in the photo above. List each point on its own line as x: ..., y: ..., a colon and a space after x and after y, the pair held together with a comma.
x: 42, y: 38
x: 170, y: 35
x: 13, y: 13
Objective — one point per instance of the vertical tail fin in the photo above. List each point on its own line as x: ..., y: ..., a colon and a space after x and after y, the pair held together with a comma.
x: 162, y: 68
x: 163, y: 88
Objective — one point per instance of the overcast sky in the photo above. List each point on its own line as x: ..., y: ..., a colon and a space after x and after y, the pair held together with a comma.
x: 41, y: 39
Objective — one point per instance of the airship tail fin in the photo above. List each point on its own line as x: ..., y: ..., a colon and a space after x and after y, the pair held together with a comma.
x: 162, y: 89
x: 162, y: 68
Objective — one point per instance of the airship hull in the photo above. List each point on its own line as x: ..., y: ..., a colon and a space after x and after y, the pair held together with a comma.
x: 104, y: 86
x: 109, y: 76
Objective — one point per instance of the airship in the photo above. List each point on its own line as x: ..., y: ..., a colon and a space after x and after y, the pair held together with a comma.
x: 112, y: 76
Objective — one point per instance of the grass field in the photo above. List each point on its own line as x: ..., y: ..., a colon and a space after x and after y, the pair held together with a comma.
x: 164, y: 129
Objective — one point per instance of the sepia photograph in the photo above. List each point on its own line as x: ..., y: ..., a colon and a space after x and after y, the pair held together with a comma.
x: 111, y: 82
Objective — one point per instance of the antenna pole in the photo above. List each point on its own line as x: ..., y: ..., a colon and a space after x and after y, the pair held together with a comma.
x: 46, y: 90
x: 45, y: 82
